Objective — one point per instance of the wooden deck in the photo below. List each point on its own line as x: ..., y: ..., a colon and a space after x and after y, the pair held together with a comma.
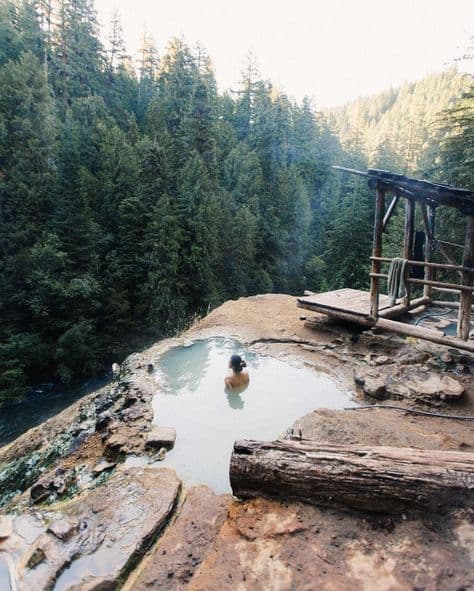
x: 352, y: 305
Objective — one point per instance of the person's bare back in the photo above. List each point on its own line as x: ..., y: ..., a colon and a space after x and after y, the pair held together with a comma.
x: 239, y: 379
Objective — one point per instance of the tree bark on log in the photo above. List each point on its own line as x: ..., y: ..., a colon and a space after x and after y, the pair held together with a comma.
x: 381, y: 479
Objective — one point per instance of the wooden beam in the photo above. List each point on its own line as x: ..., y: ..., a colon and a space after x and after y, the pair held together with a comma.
x: 420, y: 184
x: 446, y: 255
x: 350, y: 170
x: 461, y: 199
x: 426, y: 334
x: 408, y: 237
x: 377, y: 251
x: 390, y: 210
x: 429, y: 222
x: 370, y: 478
x: 339, y: 314
x: 465, y: 300
x: 426, y: 221
x: 434, y: 193
x: 468, y: 288
x: 445, y: 304
x: 446, y: 290
x: 401, y: 308
x: 451, y: 244
x: 444, y: 266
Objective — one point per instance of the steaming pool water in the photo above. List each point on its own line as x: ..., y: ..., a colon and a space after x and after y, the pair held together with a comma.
x: 208, y: 419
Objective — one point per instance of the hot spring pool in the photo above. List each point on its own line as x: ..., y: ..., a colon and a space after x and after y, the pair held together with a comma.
x: 208, y: 419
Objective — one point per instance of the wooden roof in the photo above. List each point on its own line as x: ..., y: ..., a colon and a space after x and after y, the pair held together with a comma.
x: 433, y: 193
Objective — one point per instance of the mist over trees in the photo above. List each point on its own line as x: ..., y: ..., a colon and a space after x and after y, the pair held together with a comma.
x: 134, y: 196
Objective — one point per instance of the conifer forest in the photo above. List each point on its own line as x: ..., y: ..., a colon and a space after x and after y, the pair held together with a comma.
x: 135, y: 196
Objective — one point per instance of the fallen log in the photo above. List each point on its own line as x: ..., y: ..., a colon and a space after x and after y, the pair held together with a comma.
x: 381, y: 479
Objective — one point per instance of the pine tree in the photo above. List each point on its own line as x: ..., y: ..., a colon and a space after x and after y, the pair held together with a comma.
x: 78, y: 61
x: 27, y: 192
x: 10, y: 36
x: 148, y: 67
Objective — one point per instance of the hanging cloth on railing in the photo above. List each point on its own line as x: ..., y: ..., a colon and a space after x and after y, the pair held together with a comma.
x: 397, y: 279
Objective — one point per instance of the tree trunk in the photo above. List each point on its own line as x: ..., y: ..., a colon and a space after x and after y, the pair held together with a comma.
x: 383, y: 479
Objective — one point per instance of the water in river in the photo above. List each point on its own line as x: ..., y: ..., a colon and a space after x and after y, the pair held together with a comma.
x: 39, y: 406
x: 208, y: 419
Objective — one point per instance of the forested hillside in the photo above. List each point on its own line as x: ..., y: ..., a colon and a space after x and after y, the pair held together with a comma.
x: 132, y: 198
x: 395, y: 129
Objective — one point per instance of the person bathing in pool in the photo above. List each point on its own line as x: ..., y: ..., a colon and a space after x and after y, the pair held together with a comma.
x: 239, y: 379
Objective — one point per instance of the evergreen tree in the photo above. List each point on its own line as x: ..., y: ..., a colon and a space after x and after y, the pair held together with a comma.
x: 27, y: 191
x: 78, y: 57
x: 148, y: 66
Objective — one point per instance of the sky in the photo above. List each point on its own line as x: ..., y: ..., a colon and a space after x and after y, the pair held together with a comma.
x: 330, y: 50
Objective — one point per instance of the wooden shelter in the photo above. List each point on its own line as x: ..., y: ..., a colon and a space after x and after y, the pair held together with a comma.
x: 373, y: 309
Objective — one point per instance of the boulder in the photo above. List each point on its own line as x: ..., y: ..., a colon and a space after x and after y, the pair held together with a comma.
x: 446, y: 357
x: 412, y: 357
x: 438, y: 387
x: 397, y: 391
x: 115, y: 445
x: 450, y: 389
x: 160, y: 437
x: 373, y: 359
x: 63, y: 528
x: 102, y: 467
x: 56, y: 483
x: 372, y: 384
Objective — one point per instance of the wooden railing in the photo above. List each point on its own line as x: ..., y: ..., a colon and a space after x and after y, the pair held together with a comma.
x: 438, y: 285
x: 441, y: 284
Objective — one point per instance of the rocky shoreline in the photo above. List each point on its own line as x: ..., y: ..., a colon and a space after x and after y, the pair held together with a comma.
x: 87, y: 505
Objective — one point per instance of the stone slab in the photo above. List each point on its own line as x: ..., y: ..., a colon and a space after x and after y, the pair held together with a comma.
x: 185, y: 545
x: 93, y: 540
x: 160, y: 437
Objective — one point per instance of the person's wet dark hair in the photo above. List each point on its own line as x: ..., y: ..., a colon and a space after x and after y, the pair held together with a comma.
x: 237, y: 363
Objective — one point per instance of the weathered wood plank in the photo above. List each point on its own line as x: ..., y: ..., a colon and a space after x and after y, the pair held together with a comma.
x: 377, y: 252
x: 462, y: 199
x: 350, y: 301
x: 465, y: 299
x: 400, y: 309
x: 426, y: 334
x: 454, y: 286
x: 428, y: 214
x: 390, y: 210
x: 383, y: 479
x: 446, y: 255
x: 443, y: 266
x: 364, y: 320
x: 408, y: 237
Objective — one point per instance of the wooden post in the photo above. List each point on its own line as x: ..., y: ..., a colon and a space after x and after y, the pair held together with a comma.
x: 465, y: 298
x: 408, y: 239
x: 377, y: 251
x: 429, y: 215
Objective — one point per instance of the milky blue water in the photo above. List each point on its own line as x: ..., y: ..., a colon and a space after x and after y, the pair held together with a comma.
x: 208, y: 419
